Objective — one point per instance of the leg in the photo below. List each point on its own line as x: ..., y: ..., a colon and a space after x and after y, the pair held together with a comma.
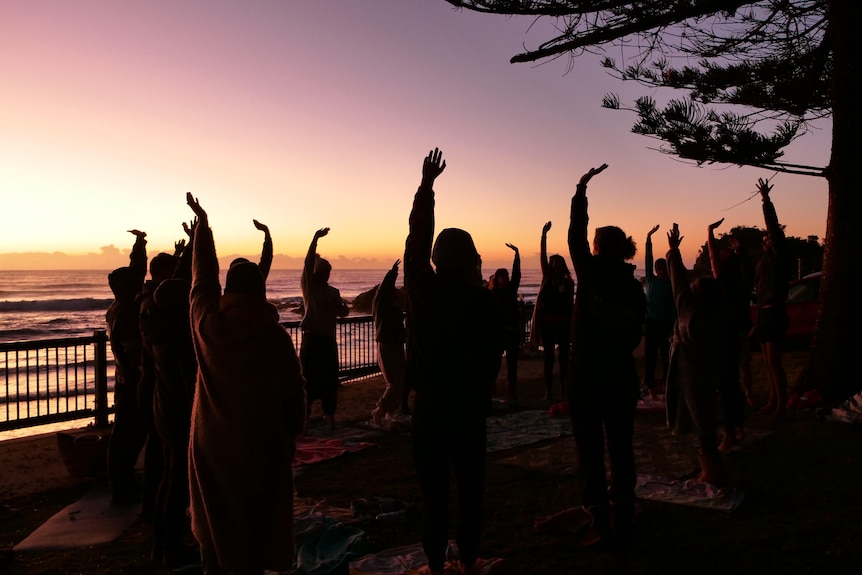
x: 432, y: 470
x: 468, y: 457
x: 563, y: 350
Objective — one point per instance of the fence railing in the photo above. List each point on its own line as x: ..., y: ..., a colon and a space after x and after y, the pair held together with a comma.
x: 68, y: 379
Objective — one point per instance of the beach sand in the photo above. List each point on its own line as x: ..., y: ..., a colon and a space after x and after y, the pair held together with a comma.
x: 800, y: 514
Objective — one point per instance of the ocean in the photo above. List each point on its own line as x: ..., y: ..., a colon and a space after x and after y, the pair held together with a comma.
x: 41, y: 305
x: 56, y: 304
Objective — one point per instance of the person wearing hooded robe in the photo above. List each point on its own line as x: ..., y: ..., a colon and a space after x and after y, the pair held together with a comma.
x: 455, y: 332
x: 604, y: 386
x: 318, y: 350
x: 248, y: 410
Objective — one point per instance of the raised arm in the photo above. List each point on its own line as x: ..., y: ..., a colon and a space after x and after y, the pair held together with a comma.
x: 266, y: 253
x: 417, y: 251
x: 308, y: 267
x: 543, y: 249
x: 184, y: 265
x: 648, y: 257
x: 206, y: 289
x: 712, y: 245
x: 515, y: 280
x: 676, y: 269
x: 138, y: 255
x: 579, y: 246
x: 773, y: 228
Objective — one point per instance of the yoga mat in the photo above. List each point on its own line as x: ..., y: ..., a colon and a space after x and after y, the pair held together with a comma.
x: 92, y: 520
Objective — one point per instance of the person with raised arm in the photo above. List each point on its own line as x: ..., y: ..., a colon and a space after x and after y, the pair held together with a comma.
x: 318, y: 350
x: 505, y: 289
x: 248, y: 410
x: 604, y: 387
x: 129, y: 431
x: 266, y: 253
x: 390, y: 335
x: 771, y: 279
x: 552, y: 315
x: 660, y: 316
x: 732, y: 269
x: 698, y: 360
x: 455, y: 333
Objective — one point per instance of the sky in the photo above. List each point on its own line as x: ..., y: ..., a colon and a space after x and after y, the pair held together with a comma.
x: 306, y: 114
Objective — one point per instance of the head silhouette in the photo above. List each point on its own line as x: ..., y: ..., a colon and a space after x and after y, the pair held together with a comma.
x: 245, y: 277
x: 611, y: 241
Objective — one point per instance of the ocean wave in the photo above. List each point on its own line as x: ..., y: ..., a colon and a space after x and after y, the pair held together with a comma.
x: 77, y: 304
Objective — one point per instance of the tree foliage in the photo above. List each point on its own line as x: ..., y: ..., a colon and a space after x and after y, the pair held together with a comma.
x: 771, y: 57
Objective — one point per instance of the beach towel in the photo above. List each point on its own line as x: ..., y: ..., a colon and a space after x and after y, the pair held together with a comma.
x: 311, y: 449
x: 523, y: 428
x: 410, y: 560
x: 92, y: 520
x: 688, y: 492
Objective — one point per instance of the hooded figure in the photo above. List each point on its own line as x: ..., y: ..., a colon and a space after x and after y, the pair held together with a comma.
x: 455, y: 333
x: 248, y: 410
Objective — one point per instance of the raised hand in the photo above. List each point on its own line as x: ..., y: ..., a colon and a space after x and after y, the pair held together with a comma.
x: 512, y: 247
x: 195, y: 205
x: 432, y: 166
x: 652, y: 231
x: 714, y: 225
x: 138, y: 233
x: 764, y: 188
x: 395, y: 265
x: 593, y: 171
x: 673, y: 237
x: 546, y: 228
x: 262, y: 227
x: 189, y: 228
x: 321, y: 232
x: 179, y: 246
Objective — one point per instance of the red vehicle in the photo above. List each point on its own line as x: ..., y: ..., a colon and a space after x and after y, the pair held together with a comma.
x: 801, y: 309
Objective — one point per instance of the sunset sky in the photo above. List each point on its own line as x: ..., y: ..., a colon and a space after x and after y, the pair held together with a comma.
x: 317, y: 113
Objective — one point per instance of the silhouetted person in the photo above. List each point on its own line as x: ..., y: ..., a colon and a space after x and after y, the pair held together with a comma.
x: 505, y: 289
x: 176, y: 372
x: 660, y: 315
x: 162, y: 267
x: 455, y: 331
x: 248, y: 410
x: 390, y: 335
x: 128, y: 434
x: 604, y: 388
x: 730, y: 269
x: 319, y: 349
x: 697, y: 360
x: 266, y: 253
x: 552, y: 316
x: 771, y: 276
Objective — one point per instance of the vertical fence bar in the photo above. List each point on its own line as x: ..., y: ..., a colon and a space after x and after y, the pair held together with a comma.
x: 100, y: 366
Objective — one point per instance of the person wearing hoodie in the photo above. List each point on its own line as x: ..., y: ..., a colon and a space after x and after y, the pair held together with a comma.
x: 248, y: 410
x: 606, y: 328
x: 455, y: 332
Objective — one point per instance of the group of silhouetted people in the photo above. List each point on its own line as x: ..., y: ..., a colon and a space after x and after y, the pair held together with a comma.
x: 210, y: 386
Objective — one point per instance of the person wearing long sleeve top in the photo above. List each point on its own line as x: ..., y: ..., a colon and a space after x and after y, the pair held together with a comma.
x: 390, y: 335
x: 731, y: 268
x: 698, y: 356
x: 248, y: 410
x: 604, y: 386
x: 552, y: 315
x: 505, y: 289
x: 455, y: 333
x: 318, y: 350
x: 771, y: 280
x: 660, y: 316
x: 129, y: 431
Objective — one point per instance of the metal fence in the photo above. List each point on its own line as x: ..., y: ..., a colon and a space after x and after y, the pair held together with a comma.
x: 68, y: 379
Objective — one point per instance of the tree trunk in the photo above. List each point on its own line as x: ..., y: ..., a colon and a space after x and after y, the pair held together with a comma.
x: 836, y: 350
